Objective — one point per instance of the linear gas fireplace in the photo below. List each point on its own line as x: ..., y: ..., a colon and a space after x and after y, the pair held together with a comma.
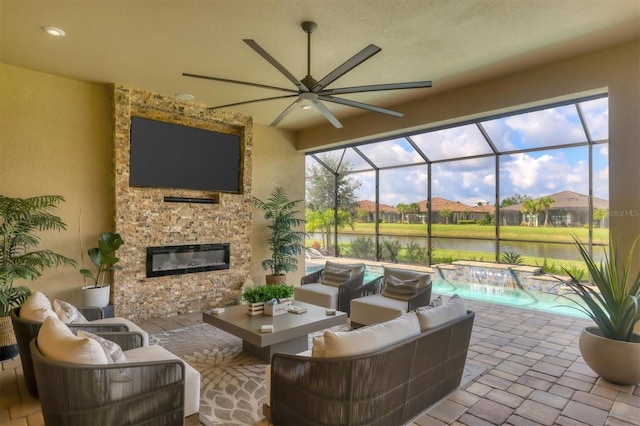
x: 186, y: 259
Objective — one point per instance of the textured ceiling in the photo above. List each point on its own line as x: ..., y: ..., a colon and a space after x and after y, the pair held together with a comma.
x: 149, y: 44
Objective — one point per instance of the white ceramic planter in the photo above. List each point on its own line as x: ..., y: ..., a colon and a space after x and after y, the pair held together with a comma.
x: 96, y: 296
x: 612, y: 360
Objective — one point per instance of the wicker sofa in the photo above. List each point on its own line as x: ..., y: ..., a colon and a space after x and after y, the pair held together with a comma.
x: 389, y: 385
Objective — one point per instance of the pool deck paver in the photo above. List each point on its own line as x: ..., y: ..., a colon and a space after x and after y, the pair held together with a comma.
x: 534, y: 376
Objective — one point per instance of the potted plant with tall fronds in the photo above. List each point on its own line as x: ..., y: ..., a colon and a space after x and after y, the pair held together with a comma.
x: 21, y: 219
x: 285, y: 241
x: 104, y: 259
x: 611, y: 349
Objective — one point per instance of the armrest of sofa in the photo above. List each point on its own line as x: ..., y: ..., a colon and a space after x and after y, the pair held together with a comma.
x: 91, y: 312
x: 312, y: 278
x: 421, y: 298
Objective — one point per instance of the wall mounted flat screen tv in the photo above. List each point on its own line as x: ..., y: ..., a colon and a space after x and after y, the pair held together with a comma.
x: 166, y: 155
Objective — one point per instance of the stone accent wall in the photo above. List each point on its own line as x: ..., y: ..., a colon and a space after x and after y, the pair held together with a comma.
x: 143, y: 219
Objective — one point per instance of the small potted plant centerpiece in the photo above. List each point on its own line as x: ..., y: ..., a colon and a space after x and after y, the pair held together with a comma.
x: 21, y: 220
x: 104, y: 259
x: 260, y: 296
x: 285, y: 241
x: 611, y: 349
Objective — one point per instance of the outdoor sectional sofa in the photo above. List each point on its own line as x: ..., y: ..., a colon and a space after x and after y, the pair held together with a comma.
x: 383, y: 374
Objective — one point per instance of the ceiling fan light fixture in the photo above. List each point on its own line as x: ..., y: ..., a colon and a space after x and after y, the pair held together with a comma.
x: 54, y: 31
x: 306, y: 106
x: 185, y: 96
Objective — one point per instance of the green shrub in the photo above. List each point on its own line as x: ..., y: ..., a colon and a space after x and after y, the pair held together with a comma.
x: 511, y: 258
x: 363, y: 248
x: 264, y: 293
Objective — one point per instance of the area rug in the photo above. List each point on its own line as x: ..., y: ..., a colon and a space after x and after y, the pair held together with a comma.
x: 233, y: 382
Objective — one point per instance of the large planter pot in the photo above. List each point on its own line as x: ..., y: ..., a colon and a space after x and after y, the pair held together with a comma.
x: 8, y: 342
x: 275, y: 279
x: 96, y: 296
x: 612, y: 360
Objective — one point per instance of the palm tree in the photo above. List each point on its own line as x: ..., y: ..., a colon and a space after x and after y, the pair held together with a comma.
x: 20, y: 220
x: 446, y: 214
x: 324, y: 221
x: 546, y: 203
x: 402, y: 208
x: 529, y: 207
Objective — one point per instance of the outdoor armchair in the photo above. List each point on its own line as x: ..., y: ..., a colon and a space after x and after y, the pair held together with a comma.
x: 333, y: 286
x: 26, y: 330
x: 152, y: 393
x: 395, y: 293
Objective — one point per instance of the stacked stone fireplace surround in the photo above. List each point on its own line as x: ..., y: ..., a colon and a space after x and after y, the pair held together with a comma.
x: 143, y: 219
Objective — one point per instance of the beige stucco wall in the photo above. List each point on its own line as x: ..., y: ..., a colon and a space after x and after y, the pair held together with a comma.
x: 276, y: 163
x: 55, y: 138
x: 615, y: 70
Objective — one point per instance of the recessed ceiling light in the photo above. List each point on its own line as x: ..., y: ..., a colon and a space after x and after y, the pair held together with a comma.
x: 185, y: 96
x: 54, y: 31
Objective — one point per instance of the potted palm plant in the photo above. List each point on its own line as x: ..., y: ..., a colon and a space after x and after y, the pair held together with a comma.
x: 611, y: 349
x: 20, y: 221
x: 285, y: 241
x: 104, y: 259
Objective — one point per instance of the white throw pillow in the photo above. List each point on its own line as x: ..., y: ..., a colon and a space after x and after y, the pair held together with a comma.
x: 68, y: 313
x: 434, y: 303
x: 452, y: 309
x: 114, y: 354
x: 317, y: 348
x: 37, y: 308
x: 372, y: 338
x: 57, y: 342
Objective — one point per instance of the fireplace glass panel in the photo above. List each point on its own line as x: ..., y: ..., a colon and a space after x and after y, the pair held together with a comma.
x: 186, y: 259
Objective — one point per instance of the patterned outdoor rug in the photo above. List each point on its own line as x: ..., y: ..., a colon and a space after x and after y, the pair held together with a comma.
x: 233, y: 382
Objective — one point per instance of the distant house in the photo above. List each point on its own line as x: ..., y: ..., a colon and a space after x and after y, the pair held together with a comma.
x: 568, y: 209
x: 458, y: 211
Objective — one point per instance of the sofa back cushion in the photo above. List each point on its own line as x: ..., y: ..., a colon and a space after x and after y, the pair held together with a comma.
x: 57, y: 342
x: 366, y: 339
x: 37, y: 308
x: 448, y: 311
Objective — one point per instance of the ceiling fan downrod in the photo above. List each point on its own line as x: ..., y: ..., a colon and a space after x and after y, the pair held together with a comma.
x: 308, y: 27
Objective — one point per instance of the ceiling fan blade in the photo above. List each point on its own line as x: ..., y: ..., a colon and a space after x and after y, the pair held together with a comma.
x: 347, y: 66
x: 361, y: 105
x: 328, y: 114
x: 284, y: 113
x: 255, y: 46
x: 376, y: 88
x: 246, y: 83
x: 253, y: 100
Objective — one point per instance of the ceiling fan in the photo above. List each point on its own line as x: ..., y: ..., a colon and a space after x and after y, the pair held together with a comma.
x: 316, y: 91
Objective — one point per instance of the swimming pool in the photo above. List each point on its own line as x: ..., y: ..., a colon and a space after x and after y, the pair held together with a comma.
x: 489, y: 293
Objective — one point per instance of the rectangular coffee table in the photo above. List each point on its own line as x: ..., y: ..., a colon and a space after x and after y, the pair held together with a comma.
x: 290, y: 331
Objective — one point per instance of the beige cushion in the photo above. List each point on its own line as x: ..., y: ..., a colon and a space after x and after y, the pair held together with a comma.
x: 37, y: 308
x: 399, y: 289
x: 448, y: 311
x: 317, y: 347
x: 318, y: 294
x: 68, y: 313
x: 356, y: 268
x: 131, y: 326
x: 376, y: 308
x: 369, y: 339
x: 335, y: 276
x: 57, y: 342
x: 114, y: 354
x: 158, y: 353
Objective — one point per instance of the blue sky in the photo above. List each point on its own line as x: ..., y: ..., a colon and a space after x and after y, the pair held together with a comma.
x: 534, y: 173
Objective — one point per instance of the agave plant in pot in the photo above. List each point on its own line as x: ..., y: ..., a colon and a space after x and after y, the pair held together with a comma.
x: 104, y: 259
x: 611, y: 349
x: 285, y: 241
x: 21, y: 220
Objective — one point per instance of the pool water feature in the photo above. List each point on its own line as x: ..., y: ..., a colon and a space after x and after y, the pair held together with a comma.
x: 503, y: 295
